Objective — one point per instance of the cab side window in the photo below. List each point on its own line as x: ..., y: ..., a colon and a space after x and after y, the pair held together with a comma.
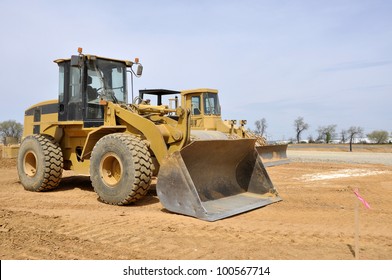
x: 75, y: 95
x: 196, y: 105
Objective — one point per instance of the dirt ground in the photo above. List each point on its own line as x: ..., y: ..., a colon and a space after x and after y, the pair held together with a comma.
x: 315, y: 220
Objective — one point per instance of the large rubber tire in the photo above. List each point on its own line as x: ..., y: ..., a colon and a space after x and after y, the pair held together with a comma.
x: 120, y: 168
x: 40, y: 163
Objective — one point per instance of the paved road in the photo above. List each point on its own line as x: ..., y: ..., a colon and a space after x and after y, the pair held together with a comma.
x: 362, y: 157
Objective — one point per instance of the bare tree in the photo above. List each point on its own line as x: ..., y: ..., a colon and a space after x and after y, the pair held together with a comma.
x: 352, y: 132
x: 11, y: 128
x: 261, y: 126
x: 343, y: 136
x: 327, y: 132
x: 300, y: 126
x: 379, y: 136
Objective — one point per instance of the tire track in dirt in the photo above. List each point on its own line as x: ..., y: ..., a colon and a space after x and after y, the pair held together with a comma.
x: 190, y: 238
x: 37, y: 237
x: 119, y: 232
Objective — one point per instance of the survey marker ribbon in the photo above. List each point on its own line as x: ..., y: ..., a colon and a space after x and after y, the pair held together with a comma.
x: 361, y: 199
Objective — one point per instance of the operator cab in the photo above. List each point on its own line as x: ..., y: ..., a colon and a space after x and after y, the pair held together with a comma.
x: 206, y: 103
x: 202, y: 101
x: 86, y: 82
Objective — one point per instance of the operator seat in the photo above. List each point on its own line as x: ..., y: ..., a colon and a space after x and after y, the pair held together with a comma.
x: 91, y: 92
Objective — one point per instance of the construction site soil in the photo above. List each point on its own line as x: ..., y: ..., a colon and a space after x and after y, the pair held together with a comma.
x: 315, y: 220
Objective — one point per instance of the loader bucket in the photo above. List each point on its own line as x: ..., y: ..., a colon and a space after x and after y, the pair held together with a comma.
x: 273, y: 155
x: 215, y: 179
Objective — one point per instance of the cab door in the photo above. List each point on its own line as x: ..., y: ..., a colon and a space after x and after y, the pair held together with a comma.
x: 194, y: 102
x: 70, y: 93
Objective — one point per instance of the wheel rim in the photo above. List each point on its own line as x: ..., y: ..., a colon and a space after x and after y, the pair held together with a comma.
x: 111, y: 169
x: 30, y: 164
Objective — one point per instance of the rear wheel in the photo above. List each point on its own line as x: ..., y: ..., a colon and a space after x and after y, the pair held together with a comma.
x: 40, y: 163
x: 120, y: 168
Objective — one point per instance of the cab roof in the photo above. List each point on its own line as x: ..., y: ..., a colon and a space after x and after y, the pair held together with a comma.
x: 199, y: 90
x: 89, y: 56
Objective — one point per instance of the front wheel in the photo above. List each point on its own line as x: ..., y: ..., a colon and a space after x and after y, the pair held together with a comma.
x: 120, y: 168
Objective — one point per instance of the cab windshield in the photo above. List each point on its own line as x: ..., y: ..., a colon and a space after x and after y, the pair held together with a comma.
x: 211, y: 104
x: 107, y: 79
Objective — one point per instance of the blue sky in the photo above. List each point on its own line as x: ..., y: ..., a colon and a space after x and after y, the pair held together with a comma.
x: 327, y: 61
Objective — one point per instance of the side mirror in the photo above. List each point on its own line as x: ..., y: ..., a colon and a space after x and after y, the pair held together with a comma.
x: 76, y: 61
x: 139, y: 70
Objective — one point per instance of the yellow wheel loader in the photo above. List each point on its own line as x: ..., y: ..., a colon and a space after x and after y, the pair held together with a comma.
x: 93, y: 130
x: 205, y: 111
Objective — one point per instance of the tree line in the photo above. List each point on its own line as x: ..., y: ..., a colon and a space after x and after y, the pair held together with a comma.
x: 328, y: 133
